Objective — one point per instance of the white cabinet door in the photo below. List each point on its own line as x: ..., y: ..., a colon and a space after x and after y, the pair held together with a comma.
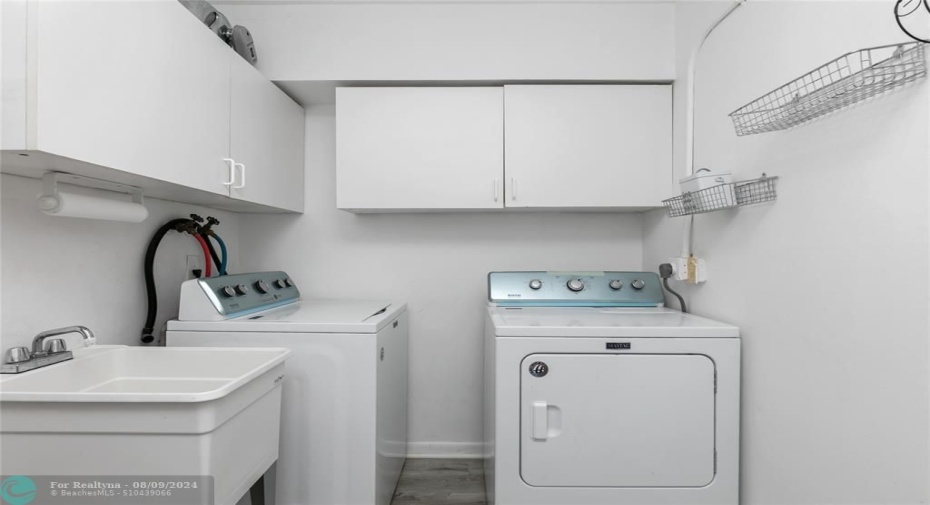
x: 608, y: 420
x: 419, y: 148
x: 141, y: 87
x: 13, y: 37
x: 588, y: 146
x: 267, y: 141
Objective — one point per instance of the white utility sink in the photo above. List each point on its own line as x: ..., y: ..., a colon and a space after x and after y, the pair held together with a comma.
x: 143, y: 411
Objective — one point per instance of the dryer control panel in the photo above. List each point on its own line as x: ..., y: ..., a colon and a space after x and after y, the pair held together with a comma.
x: 575, y: 289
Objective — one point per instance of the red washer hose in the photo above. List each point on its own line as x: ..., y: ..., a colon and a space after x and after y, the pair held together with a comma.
x: 206, y: 256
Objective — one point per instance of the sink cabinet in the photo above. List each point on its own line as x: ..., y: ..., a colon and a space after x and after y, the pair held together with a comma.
x: 142, y: 93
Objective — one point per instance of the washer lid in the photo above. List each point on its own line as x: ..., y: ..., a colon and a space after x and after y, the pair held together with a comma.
x: 604, y: 322
x: 306, y: 316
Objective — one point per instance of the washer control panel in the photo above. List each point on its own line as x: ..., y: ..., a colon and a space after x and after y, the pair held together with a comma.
x: 243, y: 293
x: 559, y: 289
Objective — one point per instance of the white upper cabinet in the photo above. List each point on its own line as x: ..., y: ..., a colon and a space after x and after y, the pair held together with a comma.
x: 419, y: 148
x: 100, y: 95
x: 267, y: 140
x: 108, y: 95
x: 539, y: 146
x: 588, y: 146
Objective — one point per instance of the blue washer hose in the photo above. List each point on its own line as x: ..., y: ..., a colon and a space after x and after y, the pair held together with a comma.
x: 225, y: 257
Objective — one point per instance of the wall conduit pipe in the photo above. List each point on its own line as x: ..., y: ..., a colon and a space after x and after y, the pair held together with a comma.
x: 689, y: 124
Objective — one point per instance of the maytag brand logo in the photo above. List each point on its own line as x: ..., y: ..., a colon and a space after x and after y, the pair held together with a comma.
x: 514, y: 295
x: 618, y: 345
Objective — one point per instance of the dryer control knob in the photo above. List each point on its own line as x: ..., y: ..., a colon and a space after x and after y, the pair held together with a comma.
x: 228, y: 291
x: 575, y: 285
x: 242, y: 289
x: 638, y: 284
x: 262, y: 286
x: 535, y: 284
x: 616, y: 284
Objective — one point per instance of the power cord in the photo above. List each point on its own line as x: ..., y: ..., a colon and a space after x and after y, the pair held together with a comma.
x: 665, y: 271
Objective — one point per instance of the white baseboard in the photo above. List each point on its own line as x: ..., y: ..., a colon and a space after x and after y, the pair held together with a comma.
x: 450, y: 450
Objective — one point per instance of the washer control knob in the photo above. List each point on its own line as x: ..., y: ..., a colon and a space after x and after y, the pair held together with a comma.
x: 228, y: 291
x: 242, y: 289
x: 638, y: 284
x: 575, y: 285
x: 280, y: 284
x: 535, y: 284
x: 288, y: 282
x: 262, y: 286
x: 616, y: 284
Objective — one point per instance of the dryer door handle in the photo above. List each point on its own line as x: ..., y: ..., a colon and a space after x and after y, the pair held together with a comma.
x: 540, y: 420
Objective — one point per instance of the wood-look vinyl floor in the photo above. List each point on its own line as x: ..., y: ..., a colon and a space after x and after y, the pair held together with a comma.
x: 441, y: 482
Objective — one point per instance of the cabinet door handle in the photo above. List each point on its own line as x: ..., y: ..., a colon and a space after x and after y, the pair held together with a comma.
x: 241, y: 167
x: 232, y: 171
x: 513, y: 188
x: 495, y: 190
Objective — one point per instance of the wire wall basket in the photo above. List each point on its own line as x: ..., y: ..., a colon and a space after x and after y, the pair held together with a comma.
x: 849, y: 79
x: 755, y: 191
x: 706, y: 200
x: 722, y: 196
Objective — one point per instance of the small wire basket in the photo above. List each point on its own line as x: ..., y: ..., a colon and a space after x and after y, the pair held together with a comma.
x: 723, y: 196
x: 849, y: 79
x: 697, y: 202
x: 756, y: 191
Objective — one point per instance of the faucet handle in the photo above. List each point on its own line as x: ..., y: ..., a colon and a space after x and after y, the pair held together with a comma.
x: 17, y: 355
x: 56, y: 345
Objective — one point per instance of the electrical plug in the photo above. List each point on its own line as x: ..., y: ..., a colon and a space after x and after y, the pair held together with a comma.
x: 665, y: 270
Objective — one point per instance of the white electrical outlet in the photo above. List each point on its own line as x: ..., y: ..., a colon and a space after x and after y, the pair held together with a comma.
x: 679, y: 268
x: 194, y: 262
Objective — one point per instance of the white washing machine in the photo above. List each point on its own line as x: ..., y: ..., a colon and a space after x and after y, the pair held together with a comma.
x: 344, y: 407
x: 596, y: 394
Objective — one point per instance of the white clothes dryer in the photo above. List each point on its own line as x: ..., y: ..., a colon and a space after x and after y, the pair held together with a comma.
x: 344, y: 407
x: 596, y: 394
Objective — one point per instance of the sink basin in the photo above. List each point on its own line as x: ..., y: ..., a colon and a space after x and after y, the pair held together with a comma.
x: 142, y: 374
x: 142, y: 411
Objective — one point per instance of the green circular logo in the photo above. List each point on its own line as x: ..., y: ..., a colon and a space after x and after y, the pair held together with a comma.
x: 18, y: 490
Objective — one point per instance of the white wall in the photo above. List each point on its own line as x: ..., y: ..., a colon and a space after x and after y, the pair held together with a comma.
x: 64, y: 271
x: 829, y: 284
x: 333, y: 41
x: 438, y: 264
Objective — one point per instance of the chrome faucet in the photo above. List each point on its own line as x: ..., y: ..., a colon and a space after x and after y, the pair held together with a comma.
x: 89, y: 338
x: 20, y: 359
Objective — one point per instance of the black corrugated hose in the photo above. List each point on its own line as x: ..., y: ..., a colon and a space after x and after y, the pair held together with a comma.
x: 175, y: 224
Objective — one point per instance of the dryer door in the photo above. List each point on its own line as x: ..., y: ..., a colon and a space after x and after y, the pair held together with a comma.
x: 617, y: 420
